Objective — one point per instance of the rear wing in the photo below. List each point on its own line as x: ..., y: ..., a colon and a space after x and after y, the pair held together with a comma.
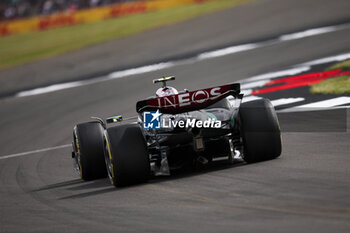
x: 189, y: 101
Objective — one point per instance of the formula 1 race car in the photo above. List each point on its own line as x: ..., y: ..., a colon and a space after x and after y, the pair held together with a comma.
x: 174, y: 129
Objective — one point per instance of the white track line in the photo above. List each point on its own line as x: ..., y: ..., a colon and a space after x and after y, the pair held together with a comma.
x: 324, y: 104
x: 227, y: 51
x: 291, y: 110
x: 250, y: 98
x: 327, y: 103
x: 275, y: 103
x: 203, y: 56
x: 250, y: 85
x: 34, y: 151
x: 285, y: 101
x: 114, y: 75
x: 311, y: 32
x: 276, y: 74
x: 340, y: 57
x: 140, y: 70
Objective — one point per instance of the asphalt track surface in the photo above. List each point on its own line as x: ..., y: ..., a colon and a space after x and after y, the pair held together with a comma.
x: 306, y: 190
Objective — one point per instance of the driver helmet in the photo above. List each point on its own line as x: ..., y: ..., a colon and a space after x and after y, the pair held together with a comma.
x: 166, y: 91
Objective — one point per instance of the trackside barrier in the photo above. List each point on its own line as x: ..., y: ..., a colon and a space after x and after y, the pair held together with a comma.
x: 88, y: 15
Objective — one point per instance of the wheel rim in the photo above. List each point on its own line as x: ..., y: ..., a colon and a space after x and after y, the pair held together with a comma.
x: 77, y: 152
x: 108, y: 159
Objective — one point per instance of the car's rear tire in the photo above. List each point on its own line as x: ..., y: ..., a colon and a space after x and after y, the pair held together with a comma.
x: 126, y: 155
x: 88, y: 144
x: 260, y: 131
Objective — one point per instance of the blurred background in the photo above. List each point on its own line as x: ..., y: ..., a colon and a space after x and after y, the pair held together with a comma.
x: 14, y: 9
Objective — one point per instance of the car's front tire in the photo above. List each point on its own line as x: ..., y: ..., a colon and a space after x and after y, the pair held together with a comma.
x: 260, y: 131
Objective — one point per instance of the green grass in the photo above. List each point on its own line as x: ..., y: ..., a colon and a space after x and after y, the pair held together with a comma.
x: 341, y: 65
x: 19, y: 49
x: 338, y: 85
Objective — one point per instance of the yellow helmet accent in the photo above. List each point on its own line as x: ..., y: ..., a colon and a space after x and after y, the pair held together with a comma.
x: 164, y: 80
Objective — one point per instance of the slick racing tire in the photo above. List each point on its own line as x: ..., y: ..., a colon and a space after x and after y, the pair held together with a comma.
x: 260, y: 131
x: 126, y: 155
x: 88, y: 146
